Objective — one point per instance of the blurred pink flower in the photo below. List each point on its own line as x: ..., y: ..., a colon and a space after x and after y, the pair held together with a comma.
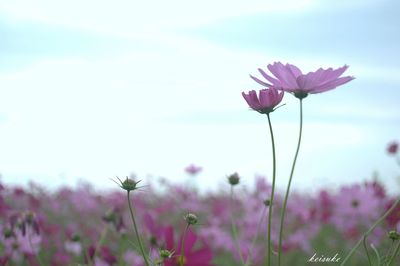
x: 289, y: 78
x: 104, y: 256
x: 192, y: 256
x: 393, y: 147
x: 73, y: 247
x: 132, y: 259
x: 61, y: 259
x: 356, y: 206
x: 266, y: 101
x: 193, y: 169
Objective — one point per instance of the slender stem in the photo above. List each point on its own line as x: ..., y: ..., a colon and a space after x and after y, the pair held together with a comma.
x: 389, y: 251
x: 378, y: 258
x: 366, y: 250
x: 366, y: 234
x: 394, y: 255
x: 253, y: 242
x: 269, y: 254
x: 288, y: 187
x: 181, y: 258
x: 234, y: 230
x: 100, y: 242
x: 137, y: 231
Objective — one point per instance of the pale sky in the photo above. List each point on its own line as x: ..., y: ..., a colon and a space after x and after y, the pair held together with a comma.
x: 93, y: 90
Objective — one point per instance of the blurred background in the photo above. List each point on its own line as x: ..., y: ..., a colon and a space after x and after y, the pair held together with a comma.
x: 93, y: 89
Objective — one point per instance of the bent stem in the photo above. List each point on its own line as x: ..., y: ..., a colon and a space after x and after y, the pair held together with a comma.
x: 366, y: 251
x: 136, y: 231
x: 234, y: 231
x: 366, y: 234
x: 269, y: 253
x: 288, y: 187
x: 181, y: 258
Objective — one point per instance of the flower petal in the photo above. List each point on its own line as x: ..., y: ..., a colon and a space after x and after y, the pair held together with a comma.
x: 331, y: 85
x: 274, y: 81
x: 252, y: 100
x: 265, y: 97
x: 260, y: 81
x: 294, y: 69
x: 284, y: 75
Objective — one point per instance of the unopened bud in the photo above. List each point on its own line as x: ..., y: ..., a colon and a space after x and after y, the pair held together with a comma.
x: 75, y: 238
x: 234, y: 179
x: 165, y: 254
x: 129, y: 184
x: 109, y: 216
x: 7, y: 233
x: 394, y: 235
x: 190, y: 218
x: 267, y: 202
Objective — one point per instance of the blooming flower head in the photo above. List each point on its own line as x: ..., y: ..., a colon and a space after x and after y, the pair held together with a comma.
x: 266, y: 101
x: 289, y: 78
x: 354, y: 206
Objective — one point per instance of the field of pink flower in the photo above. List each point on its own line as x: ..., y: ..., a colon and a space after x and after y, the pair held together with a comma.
x: 82, y: 226
x: 162, y: 223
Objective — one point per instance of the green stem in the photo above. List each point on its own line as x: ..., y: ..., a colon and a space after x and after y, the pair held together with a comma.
x: 234, y: 230
x: 389, y: 251
x: 288, y: 187
x: 366, y: 234
x: 272, y: 192
x: 137, y: 231
x: 394, y: 255
x: 378, y: 258
x: 100, y: 242
x: 366, y: 251
x: 253, y: 243
x: 181, y: 258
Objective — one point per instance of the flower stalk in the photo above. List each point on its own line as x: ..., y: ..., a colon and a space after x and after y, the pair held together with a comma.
x: 366, y: 234
x: 136, y: 230
x: 271, y: 203
x: 283, y: 212
x: 234, y: 230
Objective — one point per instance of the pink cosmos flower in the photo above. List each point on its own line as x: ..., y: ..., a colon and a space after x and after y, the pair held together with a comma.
x: 193, y: 169
x: 192, y: 256
x: 266, y: 101
x: 289, y: 78
x: 355, y: 206
x: 393, y: 147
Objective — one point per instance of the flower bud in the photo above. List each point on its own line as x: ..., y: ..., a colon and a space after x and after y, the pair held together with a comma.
x: 165, y: 254
x: 128, y: 184
x: 394, y: 235
x: 233, y: 179
x: 75, y: 238
x: 8, y: 233
x: 191, y: 219
x: 267, y: 202
x: 109, y: 216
